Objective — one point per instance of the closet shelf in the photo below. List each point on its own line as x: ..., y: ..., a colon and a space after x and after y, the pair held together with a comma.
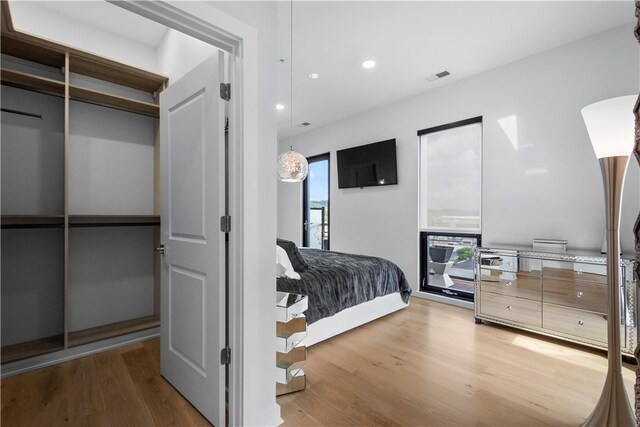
x: 28, y: 221
x: 113, y: 330
x: 32, y: 82
x: 113, y: 220
x: 125, y: 75
x: 97, y: 97
x: 12, y: 353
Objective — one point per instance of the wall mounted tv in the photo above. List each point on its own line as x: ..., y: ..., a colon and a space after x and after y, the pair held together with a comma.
x: 368, y: 165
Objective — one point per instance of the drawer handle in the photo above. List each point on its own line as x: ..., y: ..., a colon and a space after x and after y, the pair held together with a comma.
x: 580, y: 322
x: 508, y: 284
x: 508, y: 308
x: 579, y: 294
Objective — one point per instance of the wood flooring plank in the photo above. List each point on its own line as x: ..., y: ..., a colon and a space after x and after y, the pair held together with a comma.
x: 427, y: 365
x: 440, y: 368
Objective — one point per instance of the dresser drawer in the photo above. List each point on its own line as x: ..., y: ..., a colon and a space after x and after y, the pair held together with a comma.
x: 511, y: 308
x: 584, y: 324
x: 595, y: 273
x: 583, y: 295
x: 499, y: 262
x: 513, y: 284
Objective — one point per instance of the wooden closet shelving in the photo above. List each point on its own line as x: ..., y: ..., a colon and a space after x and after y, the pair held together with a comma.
x: 97, y: 97
x: 32, y: 82
x: 115, y: 329
x: 17, y: 221
x: 75, y: 225
x: 24, y: 350
x: 116, y: 220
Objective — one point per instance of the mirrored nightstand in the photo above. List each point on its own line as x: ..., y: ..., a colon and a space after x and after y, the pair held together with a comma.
x: 291, y: 354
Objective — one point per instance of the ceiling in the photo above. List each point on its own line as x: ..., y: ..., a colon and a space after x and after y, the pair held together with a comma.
x: 409, y: 41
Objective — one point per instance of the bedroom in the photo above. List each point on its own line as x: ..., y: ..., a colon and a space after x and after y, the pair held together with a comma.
x: 407, y: 256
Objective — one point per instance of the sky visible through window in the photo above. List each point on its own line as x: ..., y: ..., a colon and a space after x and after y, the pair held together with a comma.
x: 318, y: 180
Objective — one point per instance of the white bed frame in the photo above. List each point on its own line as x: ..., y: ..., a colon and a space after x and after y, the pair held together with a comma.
x: 353, y: 317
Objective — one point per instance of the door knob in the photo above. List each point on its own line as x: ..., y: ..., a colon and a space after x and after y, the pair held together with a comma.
x: 160, y: 249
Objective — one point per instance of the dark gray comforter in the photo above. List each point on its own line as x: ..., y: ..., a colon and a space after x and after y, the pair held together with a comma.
x: 335, y: 281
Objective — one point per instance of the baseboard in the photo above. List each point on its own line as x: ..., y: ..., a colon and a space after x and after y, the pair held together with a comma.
x: 270, y: 417
x: 49, y: 359
x: 442, y: 299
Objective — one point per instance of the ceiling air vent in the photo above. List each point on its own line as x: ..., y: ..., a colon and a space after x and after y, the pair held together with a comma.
x: 434, y: 77
x: 304, y: 124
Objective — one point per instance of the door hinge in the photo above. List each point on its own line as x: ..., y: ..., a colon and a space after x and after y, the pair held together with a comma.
x: 225, y: 224
x: 225, y: 356
x: 225, y: 91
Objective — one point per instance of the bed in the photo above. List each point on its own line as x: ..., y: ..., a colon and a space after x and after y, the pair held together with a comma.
x: 345, y: 290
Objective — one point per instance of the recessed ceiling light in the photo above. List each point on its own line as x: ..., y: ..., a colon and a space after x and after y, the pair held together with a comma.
x: 369, y: 63
x: 279, y: 107
x: 314, y: 75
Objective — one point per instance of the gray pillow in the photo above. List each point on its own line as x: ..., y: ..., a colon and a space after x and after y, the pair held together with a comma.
x: 298, y: 263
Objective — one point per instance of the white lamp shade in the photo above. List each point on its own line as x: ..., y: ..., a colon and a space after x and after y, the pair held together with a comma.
x: 292, y: 166
x: 610, y: 124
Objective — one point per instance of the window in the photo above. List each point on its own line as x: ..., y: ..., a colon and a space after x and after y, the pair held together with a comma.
x: 450, y: 207
x: 450, y: 177
x: 315, y: 209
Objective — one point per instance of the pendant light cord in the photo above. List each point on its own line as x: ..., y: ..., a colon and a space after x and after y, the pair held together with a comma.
x: 291, y: 84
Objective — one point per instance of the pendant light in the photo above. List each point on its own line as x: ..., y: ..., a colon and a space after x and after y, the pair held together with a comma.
x: 292, y: 166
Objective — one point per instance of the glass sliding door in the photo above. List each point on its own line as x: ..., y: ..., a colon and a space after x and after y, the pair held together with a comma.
x: 315, y: 204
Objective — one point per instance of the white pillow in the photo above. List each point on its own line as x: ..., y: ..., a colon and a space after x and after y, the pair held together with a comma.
x: 283, y: 265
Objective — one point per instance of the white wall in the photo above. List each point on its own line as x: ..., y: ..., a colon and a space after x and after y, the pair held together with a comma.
x: 30, y: 17
x: 178, y: 54
x: 546, y: 184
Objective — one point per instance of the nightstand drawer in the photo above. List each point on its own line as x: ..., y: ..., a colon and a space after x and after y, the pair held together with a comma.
x: 299, y: 324
x: 581, y: 295
x: 513, y: 284
x: 286, y: 341
x: 580, y: 323
x: 295, y: 384
x: 518, y: 310
x: 286, y: 371
x: 289, y: 306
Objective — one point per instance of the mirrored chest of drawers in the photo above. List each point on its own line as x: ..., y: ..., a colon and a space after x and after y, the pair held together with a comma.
x: 291, y: 353
x: 563, y: 295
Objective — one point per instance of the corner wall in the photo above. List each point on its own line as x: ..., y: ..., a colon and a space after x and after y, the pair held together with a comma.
x: 544, y: 183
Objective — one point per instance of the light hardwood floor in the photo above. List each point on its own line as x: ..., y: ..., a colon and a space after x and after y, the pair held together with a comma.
x: 121, y: 387
x: 427, y: 365
x: 431, y: 365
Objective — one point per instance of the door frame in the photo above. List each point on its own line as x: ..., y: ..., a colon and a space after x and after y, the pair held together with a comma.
x: 305, y: 191
x: 240, y: 40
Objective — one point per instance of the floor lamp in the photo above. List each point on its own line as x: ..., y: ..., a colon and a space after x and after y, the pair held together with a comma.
x: 610, y: 124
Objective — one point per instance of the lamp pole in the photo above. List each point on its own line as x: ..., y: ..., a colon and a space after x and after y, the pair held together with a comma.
x: 610, y: 124
x: 613, y: 409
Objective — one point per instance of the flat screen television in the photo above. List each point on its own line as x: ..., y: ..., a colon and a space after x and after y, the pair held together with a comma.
x: 368, y: 165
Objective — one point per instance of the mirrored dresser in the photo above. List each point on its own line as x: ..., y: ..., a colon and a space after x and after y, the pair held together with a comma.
x: 563, y: 295
x: 291, y: 353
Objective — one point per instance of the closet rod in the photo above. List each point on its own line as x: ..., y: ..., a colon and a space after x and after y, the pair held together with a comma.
x: 21, y: 113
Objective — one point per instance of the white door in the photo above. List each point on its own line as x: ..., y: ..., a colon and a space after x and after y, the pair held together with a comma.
x: 192, y: 195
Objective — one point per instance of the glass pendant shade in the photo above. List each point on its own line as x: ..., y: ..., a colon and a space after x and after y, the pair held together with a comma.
x: 292, y: 166
x: 610, y: 124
